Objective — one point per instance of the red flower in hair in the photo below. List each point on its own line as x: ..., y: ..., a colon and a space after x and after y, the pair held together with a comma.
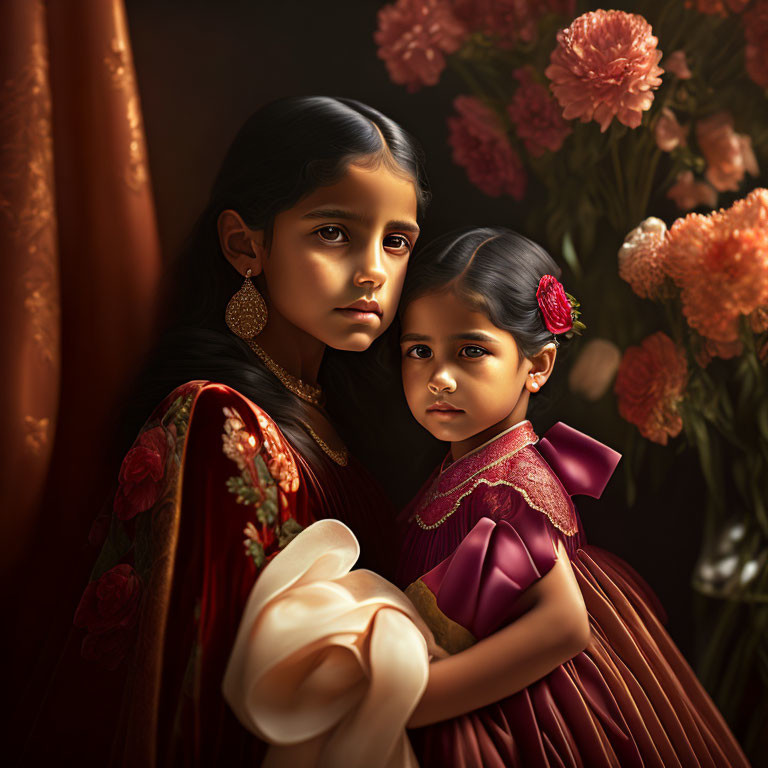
x: 554, y: 305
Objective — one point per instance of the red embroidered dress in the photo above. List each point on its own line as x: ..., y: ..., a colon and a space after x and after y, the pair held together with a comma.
x: 209, y: 492
x: 477, y: 536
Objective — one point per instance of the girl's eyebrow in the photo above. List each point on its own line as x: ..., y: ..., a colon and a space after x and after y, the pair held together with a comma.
x: 472, y: 336
x: 342, y: 213
x: 466, y: 336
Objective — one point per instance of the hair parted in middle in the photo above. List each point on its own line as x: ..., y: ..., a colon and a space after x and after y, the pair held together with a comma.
x: 495, y: 270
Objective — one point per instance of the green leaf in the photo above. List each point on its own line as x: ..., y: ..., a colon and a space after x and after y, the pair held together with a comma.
x: 265, y: 478
x: 244, y: 491
x: 267, y: 510
x: 114, y: 549
x: 143, y: 544
x: 288, y: 531
x: 256, y: 552
x: 570, y: 256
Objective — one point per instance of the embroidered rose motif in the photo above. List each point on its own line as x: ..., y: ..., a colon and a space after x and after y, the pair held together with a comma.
x: 238, y: 445
x: 109, y: 609
x: 268, y: 478
x: 142, y: 473
x: 279, y: 461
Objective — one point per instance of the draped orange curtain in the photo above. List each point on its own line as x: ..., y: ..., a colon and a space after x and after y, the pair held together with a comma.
x: 79, y: 258
x: 79, y: 273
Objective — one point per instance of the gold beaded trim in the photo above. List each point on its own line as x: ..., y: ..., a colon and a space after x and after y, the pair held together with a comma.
x: 340, y: 457
x: 307, y: 392
x: 567, y: 531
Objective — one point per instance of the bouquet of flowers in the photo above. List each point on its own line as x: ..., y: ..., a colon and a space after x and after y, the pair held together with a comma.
x: 601, y: 121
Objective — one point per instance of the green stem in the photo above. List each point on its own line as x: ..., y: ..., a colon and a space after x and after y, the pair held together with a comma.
x: 616, y: 162
x: 466, y: 74
x: 715, y: 648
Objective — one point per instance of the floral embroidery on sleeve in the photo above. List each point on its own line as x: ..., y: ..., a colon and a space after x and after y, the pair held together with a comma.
x: 268, y: 477
x: 110, y: 605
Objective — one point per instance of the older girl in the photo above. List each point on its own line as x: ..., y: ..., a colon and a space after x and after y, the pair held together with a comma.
x: 302, y: 247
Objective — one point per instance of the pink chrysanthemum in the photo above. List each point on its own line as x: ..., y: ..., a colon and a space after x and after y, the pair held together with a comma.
x: 689, y: 193
x: 756, y: 37
x: 605, y: 65
x: 481, y: 147
x: 677, y: 64
x: 729, y: 155
x: 641, y: 259
x: 668, y: 132
x: 720, y: 264
x: 509, y: 21
x: 717, y: 7
x: 650, y: 384
x: 536, y: 116
x: 413, y: 37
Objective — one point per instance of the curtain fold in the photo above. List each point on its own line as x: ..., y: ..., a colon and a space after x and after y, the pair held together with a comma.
x: 29, y: 273
x: 80, y: 265
x: 80, y: 257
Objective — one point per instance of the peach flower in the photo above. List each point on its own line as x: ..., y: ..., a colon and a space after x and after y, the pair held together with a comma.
x: 508, y: 22
x: 668, y: 132
x: 677, y: 64
x: 536, y: 116
x: 481, y: 147
x: 605, y: 65
x: 650, y: 384
x: 641, y: 259
x: 413, y: 37
x: 717, y: 7
x: 689, y: 193
x: 728, y: 154
x: 756, y: 37
x: 710, y: 349
x: 594, y: 369
x: 720, y: 264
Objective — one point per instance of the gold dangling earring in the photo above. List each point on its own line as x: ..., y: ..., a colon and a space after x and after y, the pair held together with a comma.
x: 246, y: 313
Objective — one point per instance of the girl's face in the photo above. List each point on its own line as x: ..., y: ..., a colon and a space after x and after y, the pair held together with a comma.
x: 337, y: 260
x: 463, y: 377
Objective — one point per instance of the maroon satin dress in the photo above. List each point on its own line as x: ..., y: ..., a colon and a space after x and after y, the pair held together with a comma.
x: 476, y: 537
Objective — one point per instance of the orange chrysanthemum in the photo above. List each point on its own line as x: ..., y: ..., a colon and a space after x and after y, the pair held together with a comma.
x: 605, y: 65
x: 641, y: 259
x: 650, y: 384
x: 720, y: 263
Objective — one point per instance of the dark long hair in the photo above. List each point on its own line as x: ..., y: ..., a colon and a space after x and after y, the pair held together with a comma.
x: 283, y: 152
x: 496, y: 271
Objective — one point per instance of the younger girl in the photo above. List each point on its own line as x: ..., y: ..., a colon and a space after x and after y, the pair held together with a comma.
x: 563, y: 637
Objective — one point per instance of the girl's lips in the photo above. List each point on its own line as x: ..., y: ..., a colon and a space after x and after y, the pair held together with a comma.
x: 443, y: 410
x: 359, y: 315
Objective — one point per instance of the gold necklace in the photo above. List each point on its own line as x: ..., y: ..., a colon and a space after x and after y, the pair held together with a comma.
x: 341, y: 457
x: 311, y: 393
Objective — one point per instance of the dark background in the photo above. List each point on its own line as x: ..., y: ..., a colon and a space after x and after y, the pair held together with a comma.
x: 204, y: 66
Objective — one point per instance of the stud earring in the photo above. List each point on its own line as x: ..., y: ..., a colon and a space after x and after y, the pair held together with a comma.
x: 246, y: 313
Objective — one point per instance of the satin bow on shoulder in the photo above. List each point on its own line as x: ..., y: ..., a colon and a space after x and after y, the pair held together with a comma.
x: 583, y: 465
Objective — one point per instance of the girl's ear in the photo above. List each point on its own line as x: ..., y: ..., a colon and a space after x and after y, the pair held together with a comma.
x: 242, y: 246
x: 542, y: 364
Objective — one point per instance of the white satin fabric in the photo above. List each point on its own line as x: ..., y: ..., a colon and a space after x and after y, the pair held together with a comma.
x: 328, y: 663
